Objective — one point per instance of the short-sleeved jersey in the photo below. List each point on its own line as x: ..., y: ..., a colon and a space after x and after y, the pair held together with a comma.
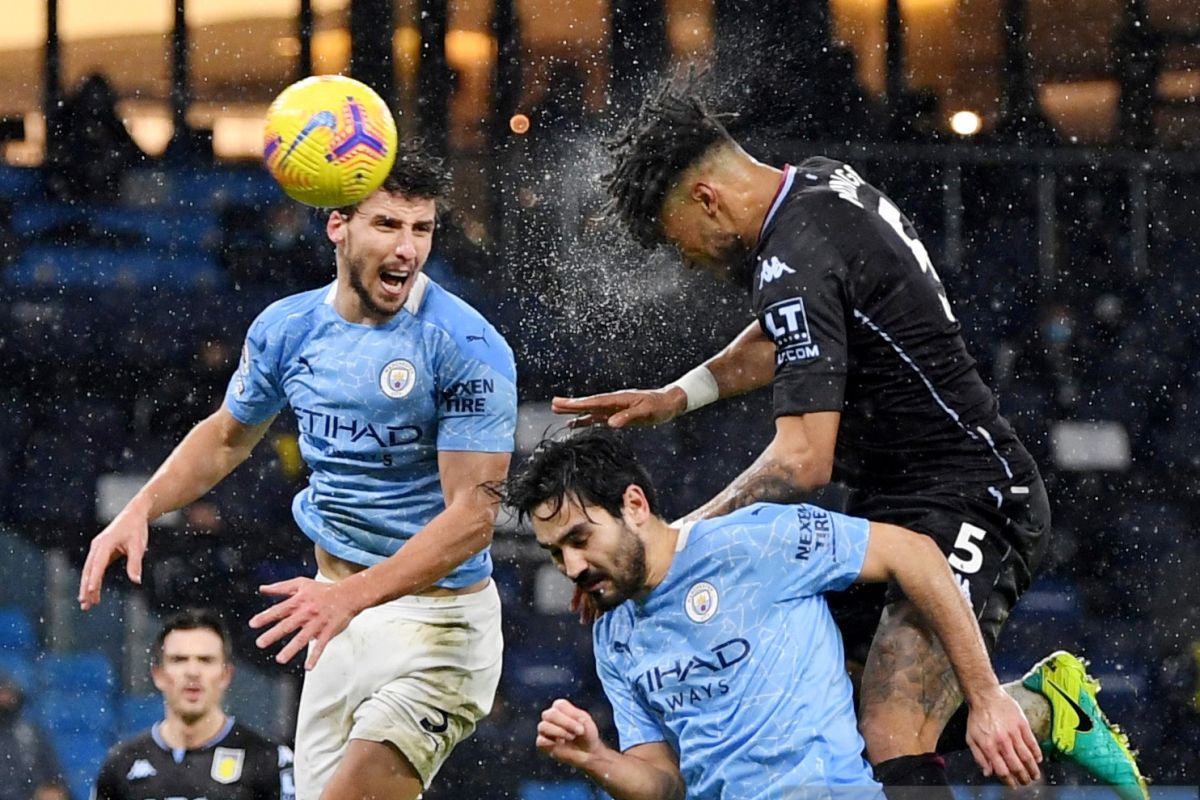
x: 735, y: 661
x: 375, y: 404
x: 862, y: 325
x: 238, y: 764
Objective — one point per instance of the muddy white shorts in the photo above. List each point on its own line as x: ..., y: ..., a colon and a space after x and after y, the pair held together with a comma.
x: 418, y: 672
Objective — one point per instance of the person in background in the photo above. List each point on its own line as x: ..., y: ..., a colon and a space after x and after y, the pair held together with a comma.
x: 27, y: 759
x: 196, y: 750
x: 89, y: 149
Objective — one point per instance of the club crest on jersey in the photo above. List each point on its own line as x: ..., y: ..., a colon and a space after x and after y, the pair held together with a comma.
x: 398, y: 378
x: 227, y: 764
x: 772, y: 269
x: 701, y: 602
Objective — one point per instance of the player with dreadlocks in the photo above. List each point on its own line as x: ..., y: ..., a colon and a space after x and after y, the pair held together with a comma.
x: 873, y: 387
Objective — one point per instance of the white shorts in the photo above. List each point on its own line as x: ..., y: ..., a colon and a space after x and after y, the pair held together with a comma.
x: 417, y: 672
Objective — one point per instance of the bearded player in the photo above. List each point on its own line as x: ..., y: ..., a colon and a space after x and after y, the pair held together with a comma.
x: 873, y: 386
x: 405, y: 398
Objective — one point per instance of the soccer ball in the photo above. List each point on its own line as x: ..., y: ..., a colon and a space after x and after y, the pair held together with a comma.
x: 330, y: 141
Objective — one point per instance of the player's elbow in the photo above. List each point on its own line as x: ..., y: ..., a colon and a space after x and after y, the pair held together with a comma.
x: 479, y: 526
x: 913, y: 556
x: 808, y: 470
x: 819, y: 473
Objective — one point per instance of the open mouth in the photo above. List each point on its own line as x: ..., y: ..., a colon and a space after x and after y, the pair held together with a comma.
x: 394, y: 280
x: 594, y: 584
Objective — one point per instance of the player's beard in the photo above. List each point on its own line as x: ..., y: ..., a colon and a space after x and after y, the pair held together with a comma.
x: 628, y: 573
x: 358, y: 268
x: 732, y: 253
x: 727, y: 257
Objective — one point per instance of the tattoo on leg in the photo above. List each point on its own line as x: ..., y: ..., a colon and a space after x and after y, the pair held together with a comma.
x: 908, y: 678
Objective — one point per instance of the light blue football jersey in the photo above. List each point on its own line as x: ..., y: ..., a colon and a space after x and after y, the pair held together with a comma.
x: 374, y: 405
x: 735, y: 661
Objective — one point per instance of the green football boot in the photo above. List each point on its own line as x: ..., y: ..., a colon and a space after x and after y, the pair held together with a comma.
x: 1079, y: 731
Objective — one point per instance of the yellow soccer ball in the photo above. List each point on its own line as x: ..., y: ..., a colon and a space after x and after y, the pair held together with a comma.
x: 330, y: 141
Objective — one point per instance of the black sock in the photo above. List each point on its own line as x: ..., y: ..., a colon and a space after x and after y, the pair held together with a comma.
x: 912, y: 777
x: 954, y: 735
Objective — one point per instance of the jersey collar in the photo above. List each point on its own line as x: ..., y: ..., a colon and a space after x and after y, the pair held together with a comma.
x: 685, y: 531
x: 416, y: 295
x: 639, y: 605
x: 177, y: 753
x: 412, y: 304
x: 785, y: 186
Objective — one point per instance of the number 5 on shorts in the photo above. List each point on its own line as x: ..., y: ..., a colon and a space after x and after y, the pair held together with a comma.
x: 968, y: 534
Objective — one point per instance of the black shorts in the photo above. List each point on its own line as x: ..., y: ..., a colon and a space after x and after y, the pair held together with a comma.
x: 994, y: 545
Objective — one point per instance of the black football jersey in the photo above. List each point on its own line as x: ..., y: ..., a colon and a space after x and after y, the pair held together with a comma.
x: 238, y: 764
x: 862, y: 325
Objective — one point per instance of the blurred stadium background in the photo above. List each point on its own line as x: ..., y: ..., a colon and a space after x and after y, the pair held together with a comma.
x: 1045, y: 149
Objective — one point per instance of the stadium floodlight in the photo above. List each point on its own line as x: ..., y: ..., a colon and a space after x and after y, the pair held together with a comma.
x: 966, y: 123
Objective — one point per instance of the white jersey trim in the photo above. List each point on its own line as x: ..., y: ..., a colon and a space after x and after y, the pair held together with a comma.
x: 684, y: 532
x: 974, y: 435
x: 412, y: 304
x: 416, y: 295
x: 789, y: 177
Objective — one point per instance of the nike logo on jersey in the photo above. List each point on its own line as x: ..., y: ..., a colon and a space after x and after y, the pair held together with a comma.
x: 1084, y: 723
x: 773, y: 269
x: 436, y: 727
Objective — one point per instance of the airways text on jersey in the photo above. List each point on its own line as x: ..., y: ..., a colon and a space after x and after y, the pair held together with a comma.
x: 677, y: 683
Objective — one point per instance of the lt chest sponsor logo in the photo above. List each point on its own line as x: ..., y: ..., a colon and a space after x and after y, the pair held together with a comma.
x: 787, y: 325
x: 672, y: 676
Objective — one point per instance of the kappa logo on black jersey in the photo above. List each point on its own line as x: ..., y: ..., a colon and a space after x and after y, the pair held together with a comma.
x: 787, y: 325
x: 772, y: 269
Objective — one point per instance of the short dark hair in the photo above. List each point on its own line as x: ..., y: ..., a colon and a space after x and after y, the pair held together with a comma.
x: 417, y: 173
x: 191, y: 619
x: 671, y: 131
x: 594, y: 467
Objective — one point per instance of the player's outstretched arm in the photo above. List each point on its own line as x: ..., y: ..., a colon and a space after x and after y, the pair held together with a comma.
x: 463, y: 529
x: 798, y: 460
x: 649, y: 771
x: 316, y: 612
x: 205, y: 456
x: 997, y: 731
x: 747, y: 363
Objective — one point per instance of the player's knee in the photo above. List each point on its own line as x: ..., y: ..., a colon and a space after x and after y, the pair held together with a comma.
x: 373, y: 771
x: 886, y: 735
